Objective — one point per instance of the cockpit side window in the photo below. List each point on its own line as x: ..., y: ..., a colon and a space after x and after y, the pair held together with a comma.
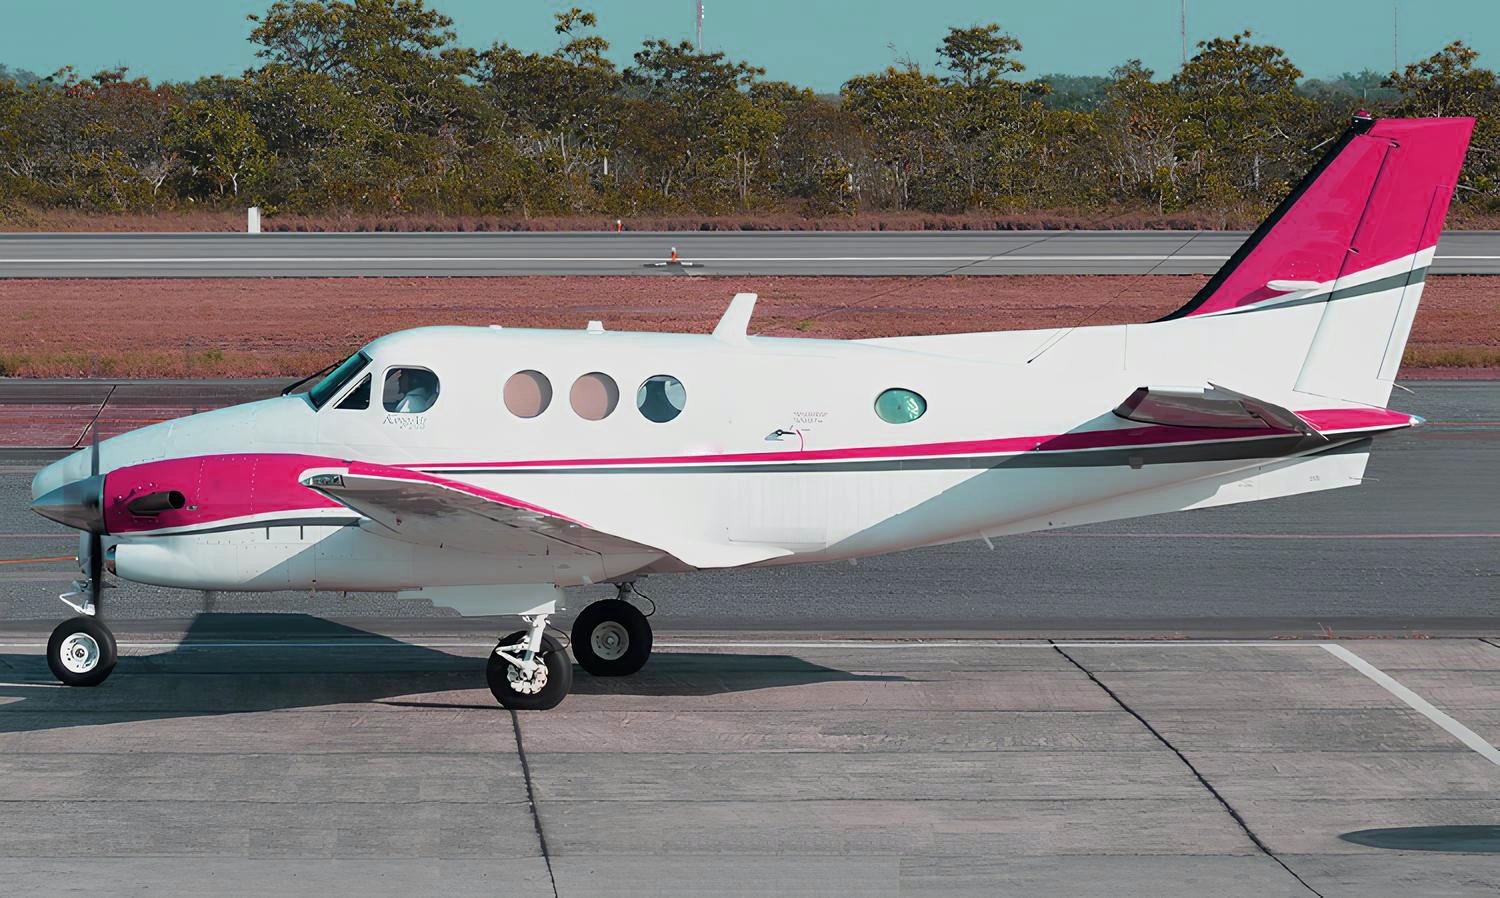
x: 359, y: 397
x: 409, y: 390
x: 329, y: 386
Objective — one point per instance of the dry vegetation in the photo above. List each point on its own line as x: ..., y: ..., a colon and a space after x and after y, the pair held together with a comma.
x: 254, y: 327
x: 63, y: 220
x: 16, y: 219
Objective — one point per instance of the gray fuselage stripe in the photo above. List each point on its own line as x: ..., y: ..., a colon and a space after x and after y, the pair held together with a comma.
x: 1270, y: 447
x: 1392, y: 282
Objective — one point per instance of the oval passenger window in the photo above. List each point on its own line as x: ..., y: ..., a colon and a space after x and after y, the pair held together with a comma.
x: 661, y: 398
x: 898, y: 406
x: 528, y: 393
x: 594, y: 396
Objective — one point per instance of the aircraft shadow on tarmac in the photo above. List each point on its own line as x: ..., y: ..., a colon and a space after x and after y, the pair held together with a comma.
x: 347, y: 666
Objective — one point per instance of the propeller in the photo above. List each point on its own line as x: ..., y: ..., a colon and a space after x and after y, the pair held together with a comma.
x: 94, y: 559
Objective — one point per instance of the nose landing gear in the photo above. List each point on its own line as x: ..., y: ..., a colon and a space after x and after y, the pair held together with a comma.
x: 81, y: 652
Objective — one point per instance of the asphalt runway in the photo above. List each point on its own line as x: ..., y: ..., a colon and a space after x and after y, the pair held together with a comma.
x: 381, y: 767
x: 1415, y: 549
x: 729, y: 253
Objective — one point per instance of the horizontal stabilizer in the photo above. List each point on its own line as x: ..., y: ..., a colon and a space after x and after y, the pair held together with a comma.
x: 1211, y: 406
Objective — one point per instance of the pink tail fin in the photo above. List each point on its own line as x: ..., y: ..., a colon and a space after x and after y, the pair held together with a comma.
x: 1378, y: 196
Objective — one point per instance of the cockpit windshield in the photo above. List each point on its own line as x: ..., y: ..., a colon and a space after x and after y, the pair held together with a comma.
x: 329, y: 386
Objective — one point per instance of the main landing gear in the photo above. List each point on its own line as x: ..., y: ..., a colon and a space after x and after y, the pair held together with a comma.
x: 529, y: 670
x: 612, y: 638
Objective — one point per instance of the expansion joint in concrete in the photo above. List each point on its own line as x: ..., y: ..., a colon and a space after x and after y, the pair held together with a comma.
x: 1197, y: 774
x: 536, y: 819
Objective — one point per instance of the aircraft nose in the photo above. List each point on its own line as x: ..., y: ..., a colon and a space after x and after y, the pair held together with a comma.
x: 78, y: 504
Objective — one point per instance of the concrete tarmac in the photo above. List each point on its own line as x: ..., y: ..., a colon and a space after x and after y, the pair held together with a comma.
x: 728, y: 253
x: 362, y: 763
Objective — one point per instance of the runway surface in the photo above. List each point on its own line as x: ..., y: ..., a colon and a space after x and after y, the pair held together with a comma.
x: 730, y: 253
x: 1414, y: 549
x: 793, y: 769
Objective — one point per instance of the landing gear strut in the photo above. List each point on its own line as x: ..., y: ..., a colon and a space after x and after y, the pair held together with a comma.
x: 612, y: 638
x: 529, y: 670
x: 82, y: 651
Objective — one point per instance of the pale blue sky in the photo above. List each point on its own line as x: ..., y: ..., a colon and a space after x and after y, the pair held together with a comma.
x: 818, y: 43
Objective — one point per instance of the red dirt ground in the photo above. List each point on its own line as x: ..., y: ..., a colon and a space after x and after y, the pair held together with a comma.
x: 266, y: 327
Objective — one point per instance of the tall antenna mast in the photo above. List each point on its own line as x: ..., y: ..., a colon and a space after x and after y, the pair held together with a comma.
x: 1395, y: 35
x: 700, y: 25
x: 1182, y: 24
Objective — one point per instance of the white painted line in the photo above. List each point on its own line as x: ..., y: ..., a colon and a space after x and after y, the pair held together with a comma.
x: 1001, y: 257
x: 986, y: 644
x: 641, y: 259
x: 1066, y: 534
x: 33, y: 685
x: 729, y: 644
x: 1418, y: 703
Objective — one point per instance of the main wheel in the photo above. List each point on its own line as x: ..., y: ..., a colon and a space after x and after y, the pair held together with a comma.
x: 545, y: 687
x: 81, y: 652
x: 611, y: 638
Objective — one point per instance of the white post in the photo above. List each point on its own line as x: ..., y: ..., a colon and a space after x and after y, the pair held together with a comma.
x: 252, y: 220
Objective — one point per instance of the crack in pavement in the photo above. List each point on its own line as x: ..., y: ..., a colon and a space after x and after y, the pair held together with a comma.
x: 1202, y: 780
x: 536, y: 820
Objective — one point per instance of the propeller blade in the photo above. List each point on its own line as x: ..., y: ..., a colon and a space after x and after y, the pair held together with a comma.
x: 96, y: 571
x: 96, y: 542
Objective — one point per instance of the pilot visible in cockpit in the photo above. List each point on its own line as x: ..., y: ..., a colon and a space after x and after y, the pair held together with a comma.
x: 410, y: 390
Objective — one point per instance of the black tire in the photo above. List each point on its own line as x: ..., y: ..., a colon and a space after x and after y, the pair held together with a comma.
x: 559, y: 681
x: 611, y: 638
x: 92, y: 654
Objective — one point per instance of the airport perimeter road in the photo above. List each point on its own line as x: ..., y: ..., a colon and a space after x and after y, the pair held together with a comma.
x: 777, y: 768
x: 1415, y: 549
x: 733, y: 253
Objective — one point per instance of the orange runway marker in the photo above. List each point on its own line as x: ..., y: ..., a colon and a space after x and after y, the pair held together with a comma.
x: 37, y: 560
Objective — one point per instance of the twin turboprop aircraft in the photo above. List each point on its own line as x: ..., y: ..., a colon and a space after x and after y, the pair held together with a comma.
x: 488, y: 469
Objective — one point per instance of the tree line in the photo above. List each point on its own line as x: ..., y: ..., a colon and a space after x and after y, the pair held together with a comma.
x: 373, y: 107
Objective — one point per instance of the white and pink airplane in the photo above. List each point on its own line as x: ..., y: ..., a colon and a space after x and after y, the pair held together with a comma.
x: 487, y: 469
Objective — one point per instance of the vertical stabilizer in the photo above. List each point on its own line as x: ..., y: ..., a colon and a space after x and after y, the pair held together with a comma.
x: 1356, y: 237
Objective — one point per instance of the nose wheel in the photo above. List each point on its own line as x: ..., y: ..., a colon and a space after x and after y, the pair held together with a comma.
x: 81, y: 652
x: 611, y: 638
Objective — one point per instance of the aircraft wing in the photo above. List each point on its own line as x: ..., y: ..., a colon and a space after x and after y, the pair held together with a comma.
x: 1211, y: 406
x: 422, y: 508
